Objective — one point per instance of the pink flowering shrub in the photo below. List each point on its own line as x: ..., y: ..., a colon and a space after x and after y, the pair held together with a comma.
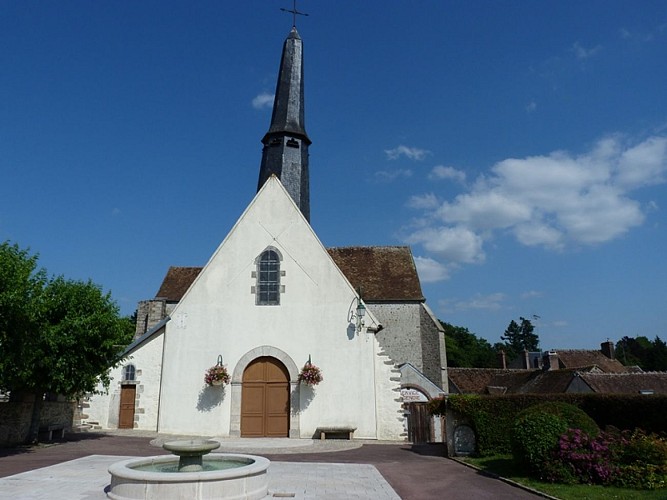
x: 586, y: 459
x: 630, y: 460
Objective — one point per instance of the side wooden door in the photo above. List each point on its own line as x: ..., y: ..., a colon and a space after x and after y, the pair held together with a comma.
x: 265, y: 399
x: 419, y: 423
x: 128, y: 394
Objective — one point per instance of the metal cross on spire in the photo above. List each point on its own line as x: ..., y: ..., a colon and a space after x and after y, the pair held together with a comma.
x: 294, y: 13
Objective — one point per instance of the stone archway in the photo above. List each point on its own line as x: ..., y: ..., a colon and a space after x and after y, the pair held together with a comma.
x: 237, y: 388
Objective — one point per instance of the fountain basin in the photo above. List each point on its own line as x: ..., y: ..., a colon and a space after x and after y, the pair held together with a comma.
x: 249, y: 481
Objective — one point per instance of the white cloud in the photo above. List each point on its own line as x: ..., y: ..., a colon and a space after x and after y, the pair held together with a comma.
x: 531, y: 294
x: 491, y: 302
x: 442, y: 172
x: 626, y: 34
x: 556, y: 201
x: 427, y: 201
x: 582, y: 52
x: 392, y: 175
x: 408, y: 152
x: 263, y: 100
x: 115, y: 211
x: 485, y: 210
x: 430, y: 270
x: 643, y: 164
x: 454, y: 244
x: 531, y: 106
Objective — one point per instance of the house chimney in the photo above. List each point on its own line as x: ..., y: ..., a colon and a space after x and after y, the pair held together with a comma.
x: 502, y: 359
x: 526, y: 359
x: 550, y: 359
x: 607, y: 349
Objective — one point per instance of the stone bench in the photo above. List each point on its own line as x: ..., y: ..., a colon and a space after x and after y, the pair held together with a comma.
x: 342, y: 432
x: 48, y: 431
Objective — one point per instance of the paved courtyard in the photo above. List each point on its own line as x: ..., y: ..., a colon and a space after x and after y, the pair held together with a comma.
x: 303, y: 469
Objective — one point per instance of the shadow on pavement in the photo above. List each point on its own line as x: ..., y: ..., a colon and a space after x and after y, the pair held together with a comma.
x: 429, y: 449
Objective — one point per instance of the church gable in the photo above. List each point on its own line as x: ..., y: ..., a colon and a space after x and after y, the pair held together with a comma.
x: 272, y: 225
x: 309, y: 316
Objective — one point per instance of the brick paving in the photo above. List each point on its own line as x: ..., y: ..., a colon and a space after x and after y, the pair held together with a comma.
x: 308, y: 472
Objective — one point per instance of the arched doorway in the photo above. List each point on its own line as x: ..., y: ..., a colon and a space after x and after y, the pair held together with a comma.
x: 265, y: 399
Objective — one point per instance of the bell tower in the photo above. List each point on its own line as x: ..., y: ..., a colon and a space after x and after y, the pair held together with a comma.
x: 285, y: 151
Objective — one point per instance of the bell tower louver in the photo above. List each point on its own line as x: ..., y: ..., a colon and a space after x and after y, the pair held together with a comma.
x: 285, y: 151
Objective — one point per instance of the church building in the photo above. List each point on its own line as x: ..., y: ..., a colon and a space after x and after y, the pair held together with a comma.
x: 272, y: 303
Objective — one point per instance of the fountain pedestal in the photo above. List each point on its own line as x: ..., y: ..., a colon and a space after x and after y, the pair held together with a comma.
x: 218, y: 475
x: 190, y: 453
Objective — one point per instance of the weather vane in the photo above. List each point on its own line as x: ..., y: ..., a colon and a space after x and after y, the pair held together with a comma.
x: 294, y: 12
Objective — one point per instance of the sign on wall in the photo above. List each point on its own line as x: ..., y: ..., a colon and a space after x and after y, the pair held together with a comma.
x: 410, y: 395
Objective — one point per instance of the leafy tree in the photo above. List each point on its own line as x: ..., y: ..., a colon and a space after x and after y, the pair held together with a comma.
x: 466, y: 350
x: 658, y: 356
x: 21, y: 284
x: 520, y: 337
x: 642, y: 352
x: 56, y: 335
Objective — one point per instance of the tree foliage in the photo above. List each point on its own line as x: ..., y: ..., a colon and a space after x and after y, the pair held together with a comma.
x: 642, y: 352
x: 519, y: 337
x: 466, y: 350
x: 56, y: 335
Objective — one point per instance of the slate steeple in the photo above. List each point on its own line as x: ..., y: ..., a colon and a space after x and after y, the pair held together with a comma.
x: 285, y: 151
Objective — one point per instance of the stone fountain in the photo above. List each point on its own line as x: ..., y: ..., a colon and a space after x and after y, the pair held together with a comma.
x: 192, y: 475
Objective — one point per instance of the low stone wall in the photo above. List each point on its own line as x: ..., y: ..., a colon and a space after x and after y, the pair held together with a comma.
x: 15, y: 419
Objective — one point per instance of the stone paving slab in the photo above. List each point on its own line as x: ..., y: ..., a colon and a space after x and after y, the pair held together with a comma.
x: 86, y: 479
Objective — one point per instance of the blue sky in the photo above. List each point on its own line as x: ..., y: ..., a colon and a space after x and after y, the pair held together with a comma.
x: 520, y: 148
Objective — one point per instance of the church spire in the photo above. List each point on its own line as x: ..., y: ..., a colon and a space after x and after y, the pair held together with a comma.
x: 285, y: 151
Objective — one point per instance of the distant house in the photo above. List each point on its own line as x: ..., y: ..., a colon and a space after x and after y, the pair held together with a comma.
x: 553, y: 372
x: 620, y: 383
x: 604, y: 359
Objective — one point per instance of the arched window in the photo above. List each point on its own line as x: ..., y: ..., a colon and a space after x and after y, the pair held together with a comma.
x: 129, y: 372
x: 268, y: 279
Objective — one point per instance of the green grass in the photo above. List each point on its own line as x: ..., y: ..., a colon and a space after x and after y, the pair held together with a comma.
x: 504, y: 466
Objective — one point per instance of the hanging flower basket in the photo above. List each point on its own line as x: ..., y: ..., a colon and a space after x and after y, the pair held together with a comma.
x: 310, y: 374
x: 217, y: 375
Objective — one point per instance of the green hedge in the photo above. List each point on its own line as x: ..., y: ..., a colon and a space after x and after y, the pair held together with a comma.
x: 492, y: 416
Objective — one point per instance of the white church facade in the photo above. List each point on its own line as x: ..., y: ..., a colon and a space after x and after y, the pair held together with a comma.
x: 271, y: 299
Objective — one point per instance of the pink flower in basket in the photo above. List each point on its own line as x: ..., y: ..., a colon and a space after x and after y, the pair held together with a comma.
x: 217, y: 375
x: 310, y: 374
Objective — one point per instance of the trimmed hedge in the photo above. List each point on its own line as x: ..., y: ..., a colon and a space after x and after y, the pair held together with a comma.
x: 537, y: 430
x: 492, y: 417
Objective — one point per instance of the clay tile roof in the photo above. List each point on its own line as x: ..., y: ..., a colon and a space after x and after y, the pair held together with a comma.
x: 581, y: 358
x: 477, y: 380
x: 383, y: 273
x: 500, y: 381
x: 176, y: 283
x: 626, y: 383
x: 546, y: 382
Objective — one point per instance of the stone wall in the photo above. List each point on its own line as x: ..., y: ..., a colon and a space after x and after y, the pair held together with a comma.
x: 15, y: 419
x: 434, y: 354
x: 400, y: 337
x: 411, y: 334
x: 149, y: 314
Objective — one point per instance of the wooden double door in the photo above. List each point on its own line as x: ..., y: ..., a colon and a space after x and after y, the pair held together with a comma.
x: 265, y: 407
